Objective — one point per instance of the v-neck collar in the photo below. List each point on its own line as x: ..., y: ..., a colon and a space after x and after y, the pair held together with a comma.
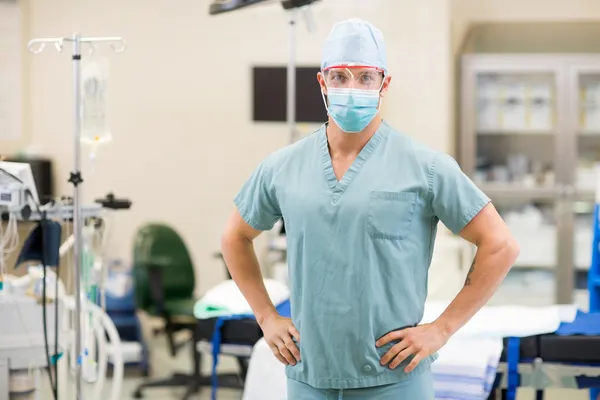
x: 338, y: 187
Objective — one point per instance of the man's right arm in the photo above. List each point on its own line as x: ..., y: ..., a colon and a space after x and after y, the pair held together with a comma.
x: 240, y: 258
x: 257, y: 210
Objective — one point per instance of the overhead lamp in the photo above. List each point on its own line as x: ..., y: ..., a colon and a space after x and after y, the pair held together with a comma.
x: 223, y: 6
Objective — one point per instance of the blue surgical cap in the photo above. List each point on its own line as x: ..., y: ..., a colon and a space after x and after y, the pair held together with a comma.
x: 354, y: 42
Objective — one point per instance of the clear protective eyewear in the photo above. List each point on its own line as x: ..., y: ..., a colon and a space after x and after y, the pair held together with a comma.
x: 355, y: 77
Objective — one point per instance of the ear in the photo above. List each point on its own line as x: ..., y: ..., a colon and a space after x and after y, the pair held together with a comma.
x: 321, y: 80
x: 386, y: 85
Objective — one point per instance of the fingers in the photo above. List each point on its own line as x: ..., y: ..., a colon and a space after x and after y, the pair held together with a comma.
x: 396, y: 335
x: 280, y: 335
x: 393, y: 351
x: 403, y: 355
x: 285, y: 352
x: 415, y: 361
x: 294, y: 332
x: 291, y: 346
x: 277, y: 355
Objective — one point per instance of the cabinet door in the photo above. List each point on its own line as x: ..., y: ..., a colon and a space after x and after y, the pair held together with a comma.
x: 584, y: 124
x: 511, y: 135
x: 510, y: 120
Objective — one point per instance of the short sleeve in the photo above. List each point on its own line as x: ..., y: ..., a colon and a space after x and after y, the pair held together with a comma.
x: 455, y: 199
x: 256, y: 201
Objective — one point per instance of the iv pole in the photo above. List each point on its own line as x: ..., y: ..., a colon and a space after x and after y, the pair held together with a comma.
x: 291, y: 69
x: 291, y: 78
x: 36, y: 46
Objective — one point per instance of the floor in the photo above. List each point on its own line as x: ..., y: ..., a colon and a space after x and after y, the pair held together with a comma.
x: 163, y: 365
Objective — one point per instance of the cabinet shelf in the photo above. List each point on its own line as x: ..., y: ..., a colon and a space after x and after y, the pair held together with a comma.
x: 494, y: 132
x: 497, y: 190
x: 538, y: 246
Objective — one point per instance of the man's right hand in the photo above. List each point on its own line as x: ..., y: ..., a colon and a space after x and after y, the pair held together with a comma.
x: 278, y: 332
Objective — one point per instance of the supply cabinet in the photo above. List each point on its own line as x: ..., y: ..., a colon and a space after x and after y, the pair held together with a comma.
x: 529, y: 137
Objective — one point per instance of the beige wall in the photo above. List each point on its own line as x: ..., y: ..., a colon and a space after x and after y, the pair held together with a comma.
x: 180, y: 100
x: 466, y: 11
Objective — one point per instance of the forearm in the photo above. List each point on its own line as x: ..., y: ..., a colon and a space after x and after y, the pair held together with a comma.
x: 488, y: 270
x: 244, y: 268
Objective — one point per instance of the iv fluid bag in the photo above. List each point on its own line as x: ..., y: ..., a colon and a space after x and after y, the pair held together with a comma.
x: 94, y: 125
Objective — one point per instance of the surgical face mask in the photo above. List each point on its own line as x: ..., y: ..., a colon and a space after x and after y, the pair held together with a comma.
x: 352, y: 109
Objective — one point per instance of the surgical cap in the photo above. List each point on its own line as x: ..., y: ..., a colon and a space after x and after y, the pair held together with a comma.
x: 354, y: 42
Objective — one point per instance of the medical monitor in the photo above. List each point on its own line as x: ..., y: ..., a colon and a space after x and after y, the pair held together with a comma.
x: 13, y: 171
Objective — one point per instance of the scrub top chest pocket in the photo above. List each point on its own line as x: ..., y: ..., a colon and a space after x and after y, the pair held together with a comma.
x: 391, y: 214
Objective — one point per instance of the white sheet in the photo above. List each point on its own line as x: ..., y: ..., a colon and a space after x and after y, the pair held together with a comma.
x: 227, y: 299
x: 266, y: 378
x: 505, y: 321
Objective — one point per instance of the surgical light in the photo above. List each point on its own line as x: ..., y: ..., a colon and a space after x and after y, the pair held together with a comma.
x: 289, y: 4
x: 223, y: 6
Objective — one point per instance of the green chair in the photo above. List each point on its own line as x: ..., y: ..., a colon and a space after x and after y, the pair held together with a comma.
x: 164, y: 288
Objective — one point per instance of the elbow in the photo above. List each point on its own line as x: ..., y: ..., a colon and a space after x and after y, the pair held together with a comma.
x: 227, y: 242
x: 230, y: 240
x: 512, y: 250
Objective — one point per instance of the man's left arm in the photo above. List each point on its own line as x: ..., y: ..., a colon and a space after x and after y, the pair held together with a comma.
x: 497, y: 251
x: 467, y: 211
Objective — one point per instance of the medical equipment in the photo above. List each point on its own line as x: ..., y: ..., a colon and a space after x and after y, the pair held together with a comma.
x: 11, y: 195
x: 17, y: 192
x: 17, y: 177
x: 22, y: 346
x: 36, y: 46
x: 222, y: 6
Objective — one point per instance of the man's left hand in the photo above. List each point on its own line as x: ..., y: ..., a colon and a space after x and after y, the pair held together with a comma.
x: 420, y: 341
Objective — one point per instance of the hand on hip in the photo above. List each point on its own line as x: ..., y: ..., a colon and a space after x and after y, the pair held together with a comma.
x: 279, y: 333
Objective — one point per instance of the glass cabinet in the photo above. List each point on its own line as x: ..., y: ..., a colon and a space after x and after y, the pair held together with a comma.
x: 530, y: 137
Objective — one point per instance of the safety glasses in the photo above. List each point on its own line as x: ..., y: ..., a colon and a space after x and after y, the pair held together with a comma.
x: 355, y: 77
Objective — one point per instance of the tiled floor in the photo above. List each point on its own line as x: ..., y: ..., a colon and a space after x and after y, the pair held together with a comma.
x: 164, y: 365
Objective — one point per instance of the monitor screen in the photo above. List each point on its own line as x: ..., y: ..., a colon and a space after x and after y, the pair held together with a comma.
x: 270, y: 95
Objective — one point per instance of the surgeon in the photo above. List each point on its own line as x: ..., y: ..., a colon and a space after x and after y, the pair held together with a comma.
x: 361, y: 204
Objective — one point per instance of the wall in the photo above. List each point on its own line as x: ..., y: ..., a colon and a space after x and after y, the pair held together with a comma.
x: 180, y: 100
x: 466, y: 11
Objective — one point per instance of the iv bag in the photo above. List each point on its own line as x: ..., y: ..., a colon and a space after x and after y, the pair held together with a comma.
x: 94, y: 122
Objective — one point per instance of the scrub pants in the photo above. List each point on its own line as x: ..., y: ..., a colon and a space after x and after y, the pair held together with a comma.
x: 419, y: 387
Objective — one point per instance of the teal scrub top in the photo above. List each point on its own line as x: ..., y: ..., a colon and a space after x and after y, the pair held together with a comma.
x: 358, y: 250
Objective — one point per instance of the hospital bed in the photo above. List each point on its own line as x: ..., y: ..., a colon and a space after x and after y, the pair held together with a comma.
x: 471, y: 366
x: 548, y: 361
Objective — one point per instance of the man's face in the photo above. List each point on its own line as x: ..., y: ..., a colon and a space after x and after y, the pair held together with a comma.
x: 359, y: 78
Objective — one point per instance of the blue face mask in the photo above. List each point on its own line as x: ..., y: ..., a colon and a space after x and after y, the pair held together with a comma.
x: 352, y: 109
